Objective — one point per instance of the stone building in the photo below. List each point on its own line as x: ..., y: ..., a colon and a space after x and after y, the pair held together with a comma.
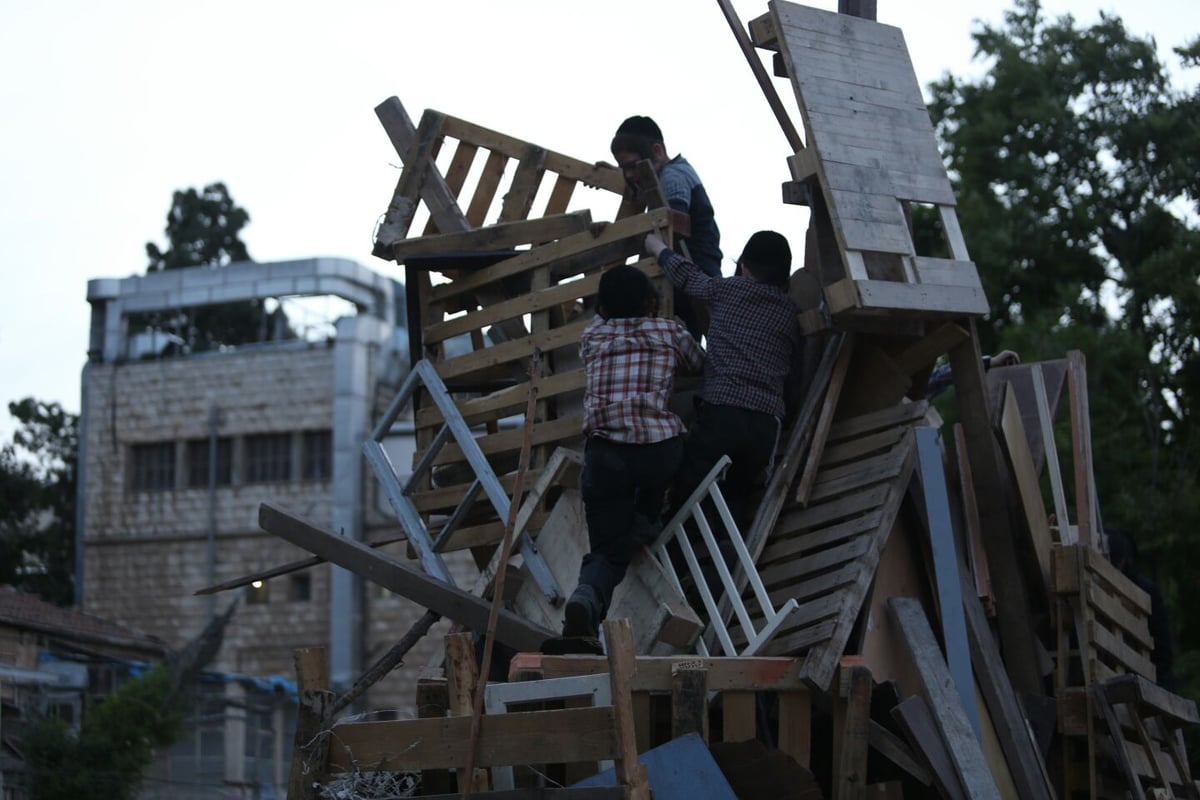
x: 177, y: 453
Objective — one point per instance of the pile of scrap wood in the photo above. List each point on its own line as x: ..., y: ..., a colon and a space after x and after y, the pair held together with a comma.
x: 946, y: 635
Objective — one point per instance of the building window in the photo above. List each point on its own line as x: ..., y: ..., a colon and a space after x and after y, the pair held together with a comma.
x: 197, y: 462
x: 300, y: 588
x: 258, y: 593
x: 268, y: 458
x: 318, y: 455
x: 153, y: 467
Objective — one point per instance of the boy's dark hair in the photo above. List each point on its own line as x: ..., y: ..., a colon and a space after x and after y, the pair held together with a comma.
x: 769, y: 258
x: 625, y: 291
x: 637, y: 135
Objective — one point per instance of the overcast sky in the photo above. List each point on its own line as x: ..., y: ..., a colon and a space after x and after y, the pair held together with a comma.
x: 107, y: 108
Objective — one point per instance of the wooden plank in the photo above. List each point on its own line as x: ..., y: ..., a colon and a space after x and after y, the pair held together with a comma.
x: 795, y: 726
x: 529, y: 303
x: 560, y: 196
x: 509, y: 441
x: 510, y: 351
x: 760, y: 75
x: 825, y: 513
x: 1045, y: 426
x: 526, y: 180
x: 878, y: 420
x: 392, y: 574
x: 310, y: 748
x: 622, y: 667
x: 600, y: 176
x: 945, y: 568
x: 437, y: 195
x: 485, y: 188
x: 935, y: 680
x: 790, y: 571
x: 738, y: 716
x: 793, y: 548
x: 756, y: 673
x: 1148, y: 695
x: 576, y: 734
x: 851, y: 721
x: 1024, y: 760
x: 1028, y: 489
x: 462, y: 675
x: 824, y: 422
x: 502, y: 236
x: 450, y: 496
x: 1107, y: 573
x: 418, y: 163
x: 879, y: 471
x: 1116, y: 649
x: 503, y: 402
x: 916, y: 720
x: 433, y: 702
x: 689, y: 702
x: 1012, y: 599
x: 860, y: 447
x: 1120, y: 752
x: 949, y: 300
x: 947, y: 272
x: 1133, y: 625
x: 976, y: 557
x: 631, y: 231
x: 1081, y: 441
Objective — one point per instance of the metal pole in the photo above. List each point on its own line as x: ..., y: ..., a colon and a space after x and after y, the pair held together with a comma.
x: 214, y: 422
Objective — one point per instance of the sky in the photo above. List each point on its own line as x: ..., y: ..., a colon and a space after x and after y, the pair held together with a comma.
x: 108, y: 108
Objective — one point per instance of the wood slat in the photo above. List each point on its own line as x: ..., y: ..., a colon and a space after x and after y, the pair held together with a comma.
x: 567, y: 735
x: 504, y: 402
x: 631, y: 231
x: 508, y: 352
x: 530, y: 303
x: 503, y: 236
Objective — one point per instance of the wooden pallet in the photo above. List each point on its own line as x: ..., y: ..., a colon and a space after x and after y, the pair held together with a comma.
x: 1122, y: 731
x: 871, y: 156
x: 559, y: 736
x: 824, y: 555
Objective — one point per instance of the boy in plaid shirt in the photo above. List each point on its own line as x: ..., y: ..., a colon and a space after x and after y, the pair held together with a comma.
x: 752, y: 370
x: 634, y: 441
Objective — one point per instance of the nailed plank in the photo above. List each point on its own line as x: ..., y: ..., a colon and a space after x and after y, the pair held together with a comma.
x: 937, y: 688
x: 398, y: 577
x: 851, y: 723
x: 1150, y: 696
x: 622, y: 666
x: 486, y: 188
x: 752, y: 673
x: 878, y: 420
x: 503, y: 236
x: 948, y: 300
x: 976, y: 557
x: 508, y: 441
x: 797, y: 547
x: 824, y: 513
x: 418, y: 164
x: 862, y: 446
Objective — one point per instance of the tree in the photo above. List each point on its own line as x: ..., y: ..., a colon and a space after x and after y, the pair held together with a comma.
x: 37, y: 501
x: 1074, y: 163
x: 204, y: 230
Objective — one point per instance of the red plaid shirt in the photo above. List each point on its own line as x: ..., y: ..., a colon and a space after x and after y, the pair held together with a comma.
x: 630, y: 365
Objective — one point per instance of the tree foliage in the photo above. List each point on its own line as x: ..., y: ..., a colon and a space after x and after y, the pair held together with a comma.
x: 37, y: 501
x: 1075, y: 165
x: 114, y: 746
x: 204, y: 230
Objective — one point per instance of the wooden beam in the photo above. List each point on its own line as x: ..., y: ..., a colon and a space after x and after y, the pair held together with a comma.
x: 461, y: 676
x: 851, y: 722
x: 1012, y: 602
x: 311, y: 746
x: 1086, y: 508
x: 622, y: 667
x: 760, y: 75
x: 936, y: 686
x: 394, y: 575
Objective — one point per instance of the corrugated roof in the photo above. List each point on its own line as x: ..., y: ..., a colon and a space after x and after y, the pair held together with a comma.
x: 23, y: 610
